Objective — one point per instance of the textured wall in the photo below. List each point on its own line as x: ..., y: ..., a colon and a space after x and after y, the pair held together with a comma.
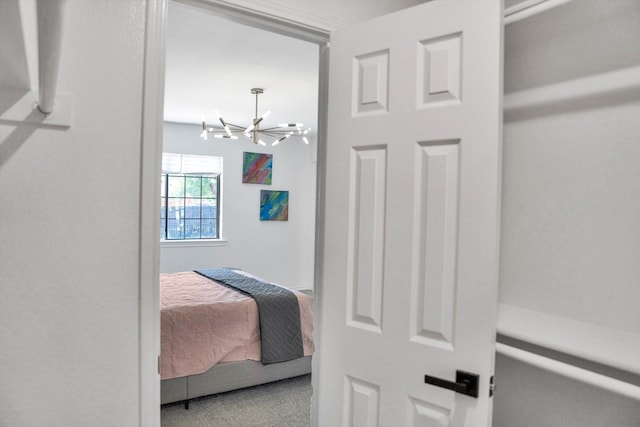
x: 571, y: 197
x: 69, y: 225
x: 530, y: 397
x: 571, y: 182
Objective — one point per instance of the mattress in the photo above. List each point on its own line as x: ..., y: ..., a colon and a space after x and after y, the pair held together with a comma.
x: 204, y: 323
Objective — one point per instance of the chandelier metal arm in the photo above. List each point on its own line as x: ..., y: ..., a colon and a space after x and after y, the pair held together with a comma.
x: 240, y: 129
x: 253, y: 131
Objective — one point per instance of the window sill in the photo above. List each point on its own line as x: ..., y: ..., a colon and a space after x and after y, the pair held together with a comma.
x: 193, y: 243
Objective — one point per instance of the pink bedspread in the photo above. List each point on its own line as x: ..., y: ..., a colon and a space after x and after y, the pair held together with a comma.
x: 204, y: 323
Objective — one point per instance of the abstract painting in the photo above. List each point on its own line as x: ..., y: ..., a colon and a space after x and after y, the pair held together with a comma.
x: 274, y: 205
x: 256, y: 168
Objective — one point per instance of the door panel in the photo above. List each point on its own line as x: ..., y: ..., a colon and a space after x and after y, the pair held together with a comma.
x: 435, y: 243
x: 411, y: 220
x: 371, y: 83
x: 362, y: 403
x: 366, y: 238
x: 439, y: 71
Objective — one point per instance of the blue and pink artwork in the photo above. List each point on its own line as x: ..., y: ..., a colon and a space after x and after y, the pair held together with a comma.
x: 274, y: 205
x: 256, y: 168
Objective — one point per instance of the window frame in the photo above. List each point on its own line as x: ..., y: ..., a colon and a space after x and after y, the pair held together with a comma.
x: 198, y: 165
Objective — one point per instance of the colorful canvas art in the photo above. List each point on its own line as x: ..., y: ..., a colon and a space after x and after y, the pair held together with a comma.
x: 256, y: 168
x: 274, y: 205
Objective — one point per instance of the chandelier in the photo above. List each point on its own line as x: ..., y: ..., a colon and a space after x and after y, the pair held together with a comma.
x: 254, y: 132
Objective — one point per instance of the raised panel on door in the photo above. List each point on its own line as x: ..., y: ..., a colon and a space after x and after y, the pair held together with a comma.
x: 363, y: 399
x: 426, y: 414
x: 366, y: 238
x: 370, y: 89
x: 440, y: 71
x: 435, y: 243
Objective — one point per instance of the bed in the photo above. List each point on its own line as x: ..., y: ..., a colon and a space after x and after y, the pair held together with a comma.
x: 211, y: 339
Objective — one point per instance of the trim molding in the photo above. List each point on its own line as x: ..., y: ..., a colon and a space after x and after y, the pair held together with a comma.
x: 152, y: 131
x: 321, y: 175
x: 260, y: 19
x: 149, y: 245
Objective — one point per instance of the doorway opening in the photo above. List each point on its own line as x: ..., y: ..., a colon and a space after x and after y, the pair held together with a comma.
x: 214, y: 60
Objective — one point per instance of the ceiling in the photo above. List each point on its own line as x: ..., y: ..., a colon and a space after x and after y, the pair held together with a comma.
x: 212, y: 63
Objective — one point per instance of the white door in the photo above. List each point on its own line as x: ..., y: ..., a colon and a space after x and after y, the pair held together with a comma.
x: 412, y: 208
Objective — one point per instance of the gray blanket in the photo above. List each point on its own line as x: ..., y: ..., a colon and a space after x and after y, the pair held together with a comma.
x: 278, y: 310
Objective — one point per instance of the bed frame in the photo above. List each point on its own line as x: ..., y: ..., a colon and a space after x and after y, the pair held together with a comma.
x: 230, y: 376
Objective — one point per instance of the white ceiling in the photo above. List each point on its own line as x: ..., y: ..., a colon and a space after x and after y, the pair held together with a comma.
x: 212, y: 63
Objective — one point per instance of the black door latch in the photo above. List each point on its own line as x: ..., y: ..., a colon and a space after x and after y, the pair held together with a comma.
x: 466, y: 383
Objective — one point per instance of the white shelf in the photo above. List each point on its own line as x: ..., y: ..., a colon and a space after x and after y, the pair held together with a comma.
x: 607, y: 346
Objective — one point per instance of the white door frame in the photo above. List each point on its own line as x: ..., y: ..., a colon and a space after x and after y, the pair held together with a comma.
x: 150, y: 164
x: 149, y: 239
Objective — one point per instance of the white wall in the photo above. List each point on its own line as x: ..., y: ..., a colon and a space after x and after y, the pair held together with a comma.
x: 571, y: 195
x: 571, y: 176
x: 280, y: 251
x: 527, y: 396
x: 69, y: 225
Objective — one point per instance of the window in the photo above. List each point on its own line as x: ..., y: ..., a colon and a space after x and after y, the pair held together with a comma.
x: 190, y: 197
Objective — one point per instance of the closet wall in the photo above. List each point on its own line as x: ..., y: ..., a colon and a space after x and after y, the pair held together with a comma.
x: 570, y: 235
x: 70, y: 222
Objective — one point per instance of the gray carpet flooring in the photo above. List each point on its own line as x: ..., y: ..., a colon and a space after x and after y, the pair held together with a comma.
x: 285, y: 403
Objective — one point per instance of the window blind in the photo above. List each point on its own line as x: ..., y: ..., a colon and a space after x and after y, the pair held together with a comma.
x: 191, y: 163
